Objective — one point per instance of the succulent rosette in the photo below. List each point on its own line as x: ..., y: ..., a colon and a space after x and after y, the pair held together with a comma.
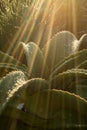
x: 39, y: 92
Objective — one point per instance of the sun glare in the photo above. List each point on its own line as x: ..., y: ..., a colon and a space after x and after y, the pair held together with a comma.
x: 47, y: 10
x: 40, y: 20
x: 45, y: 14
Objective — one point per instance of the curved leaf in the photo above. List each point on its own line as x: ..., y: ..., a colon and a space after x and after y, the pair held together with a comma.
x: 35, y: 61
x: 70, y: 62
x: 61, y: 111
x: 71, y: 80
x: 59, y: 47
x: 5, y: 58
x: 9, y: 84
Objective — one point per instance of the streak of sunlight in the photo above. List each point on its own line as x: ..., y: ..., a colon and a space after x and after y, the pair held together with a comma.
x: 23, y: 27
x: 30, y: 21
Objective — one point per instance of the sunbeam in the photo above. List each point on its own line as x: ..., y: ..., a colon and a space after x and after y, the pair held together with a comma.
x: 73, y: 3
x: 23, y: 28
x: 43, y: 80
x: 42, y: 16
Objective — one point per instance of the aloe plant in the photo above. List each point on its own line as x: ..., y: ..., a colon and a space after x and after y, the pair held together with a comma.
x: 43, y: 99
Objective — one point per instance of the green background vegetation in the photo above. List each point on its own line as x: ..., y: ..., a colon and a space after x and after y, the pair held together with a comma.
x: 12, y: 14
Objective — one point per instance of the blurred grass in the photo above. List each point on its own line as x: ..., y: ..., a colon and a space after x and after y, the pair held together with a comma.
x: 11, y: 16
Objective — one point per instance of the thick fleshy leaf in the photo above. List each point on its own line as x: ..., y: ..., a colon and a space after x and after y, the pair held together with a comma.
x: 10, y: 84
x: 49, y: 104
x: 82, y: 42
x: 59, y: 47
x: 51, y: 109
x: 8, y: 63
x: 73, y: 61
x: 83, y: 65
x: 34, y: 85
x: 74, y: 80
x: 32, y: 56
x: 5, y: 58
x: 18, y: 88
